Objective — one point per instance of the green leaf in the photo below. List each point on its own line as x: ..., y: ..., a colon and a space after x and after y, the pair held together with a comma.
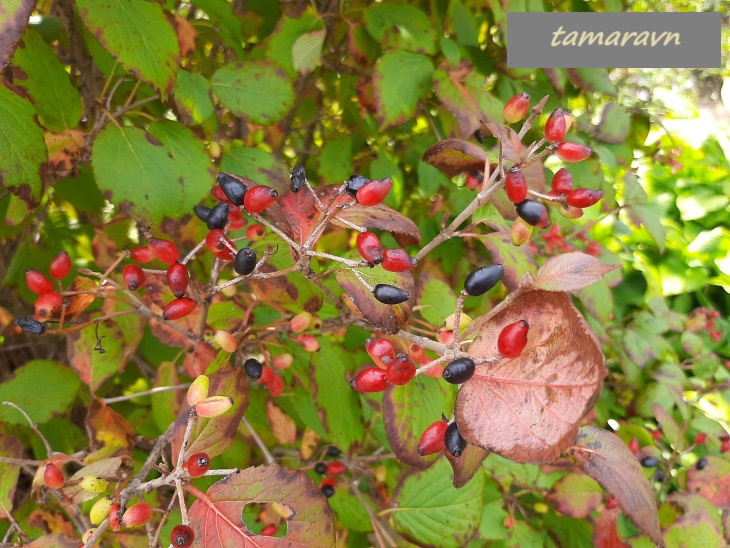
x: 227, y: 24
x: 256, y: 164
x: 350, y: 511
x: 165, y: 404
x: 465, y: 26
x: 56, y: 101
x: 155, y: 174
x: 307, y: 51
x: 10, y: 446
x: 256, y: 90
x: 193, y: 94
x: 22, y: 148
x: 42, y: 388
x: 138, y: 35
x: 614, y: 125
x: 430, y: 511
x: 400, y: 80
x: 401, y: 27
x: 280, y: 47
x: 459, y: 101
x: 335, y: 161
x: 15, y: 17
x: 339, y: 404
x: 450, y: 50
x: 437, y: 300
x: 592, y: 80
x: 650, y: 216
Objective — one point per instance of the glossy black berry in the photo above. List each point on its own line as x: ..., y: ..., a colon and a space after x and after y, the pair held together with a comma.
x: 354, y: 183
x: 483, y: 279
x: 659, y: 475
x: 218, y: 217
x: 388, y: 294
x: 245, y: 261
x: 232, y: 188
x: 530, y: 211
x: 701, y: 463
x: 328, y: 490
x: 649, y: 462
x: 453, y: 441
x: 202, y: 212
x: 29, y: 325
x: 298, y: 177
x: 333, y: 451
x: 459, y: 371
x: 320, y: 468
x: 253, y: 368
x: 479, y: 136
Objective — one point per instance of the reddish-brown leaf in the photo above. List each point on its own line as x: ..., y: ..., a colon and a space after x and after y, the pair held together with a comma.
x: 282, y: 425
x: 467, y: 464
x: 54, y: 540
x: 217, y: 519
x: 107, y: 428
x: 604, y: 533
x: 457, y: 98
x: 528, y: 409
x: 604, y: 457
x: 454, y: 156
x: 511, y: 144
x: 79, y: 303
x: 575, y: 495
x: 712, y: 482
x: 571, y: 271
x: 53, y: 522
x: 12, y: 25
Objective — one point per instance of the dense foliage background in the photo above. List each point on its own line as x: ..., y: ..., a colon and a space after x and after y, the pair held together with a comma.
x: 115, y: 118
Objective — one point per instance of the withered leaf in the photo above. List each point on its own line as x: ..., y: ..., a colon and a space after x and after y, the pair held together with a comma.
x: 282, y: 425
x: 15, y: 18
x: 79, y: 303
x: 467, y: 464
x: 571, y: 271
x: 511, y: 144
x: 454, y: 156
x: 106, y: 427
x: 712, y: 482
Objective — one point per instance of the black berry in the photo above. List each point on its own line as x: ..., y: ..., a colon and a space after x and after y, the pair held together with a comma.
x: 320, y: 468
x: 483, y: 279
x: 30, y: 326
x: 232, y: 188
x: 659, y: 475
x: 530, y: 211
x: 453, y: 441
x: 459, y: 371
x: 245, y: 261
x: 298, y: 178
x: 218, y: 216
x: 333, y: 451
x: 202, y: 212
x: 649, y: 462
x: 355, y: 183
x: 328, y: 490
x: 701, y: 463
x: 388, y: 294
x: 253, y: 368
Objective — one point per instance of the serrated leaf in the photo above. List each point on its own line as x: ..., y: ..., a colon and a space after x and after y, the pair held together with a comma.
x: 10, y: 446
x: 400, y: 80
x: 571, y: 271
x: 307, y: 51
x: 280, y: 45
x: 458, y: 100
x: 193, y: 96
x: 575, y: 495
x: 516, y: 262
x: 15, y: 17
x: 138, y: 35
x: 614, y: 125
x: 257, y: 90
x: 402, y: 27
x: 454, y: 156
x: 152, y: 175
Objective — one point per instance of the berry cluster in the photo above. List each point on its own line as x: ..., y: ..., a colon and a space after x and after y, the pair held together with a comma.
x: 710, y: 318
x: 49, y: 301
x: 264, y: 375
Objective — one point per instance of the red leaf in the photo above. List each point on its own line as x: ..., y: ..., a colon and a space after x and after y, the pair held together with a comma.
x: 454, y: 156
x: 511, y: 144
x: 217, y: 519
x: 604, y: 534
x: 571, y: 271
x: 467, y: 464
x: 712, y: 482
x: 603, y: 456
x: 528, y: 409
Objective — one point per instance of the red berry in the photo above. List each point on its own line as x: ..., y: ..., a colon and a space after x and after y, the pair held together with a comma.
x: 417, y: 353
x: 544, y: 221
x: 47, y: 305
x: 115, y: 518
x: 269, y: 530
x: 700, y: 438
x: 584, y: 197
x: 657, y: 434
x: 555, y: 126
x: 198, y: 464
x: 593, y: 248
x: 401, y: 370
x: 267, y: 375
x: 258, y: 198
x: 163, y: 250
x: 372, y: 379
x: 177, y: 279
x: 474, y: 179
x: 133, y: 277
x: 373, y: 192
x: 713, y: 314
x: 381, y: 351
x: 562, y: 182
x: 368, y: 245
x: 182, y: 536
x: 235, y: 219
x: 397, y: 260
x: 516, y: 108
x: 327, y: 481
x: 226, y: 254
x: 215, y: 239
x: 142, y: 255
x: 710, y: 325
x: 512, y: 339
x: 335, y: 468
x: 37, y: 282
x: 61, y: 266
x: 275, y: 387
x: 218, y: 194
x: 255, y: 232
x: 515, y: 186
x: 716, y: 335
x: 179, y: 308
x: 611, y: 503
x: 53, y: 477
x: 432, y: 439
x: 725, y: 445
x: 572, y: 152
x: 634, y: 445
x: 138, y: 514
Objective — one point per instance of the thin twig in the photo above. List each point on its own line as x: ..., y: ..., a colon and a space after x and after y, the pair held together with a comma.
x: 33, y: 427
x: 259, y: 442
x: 149, y: 392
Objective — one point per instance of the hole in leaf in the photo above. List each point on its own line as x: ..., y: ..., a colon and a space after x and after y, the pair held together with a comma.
x: 260, y: 517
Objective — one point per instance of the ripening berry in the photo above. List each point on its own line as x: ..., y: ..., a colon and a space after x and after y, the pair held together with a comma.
x: 253, y: 368
x: 215, y: 240
x: 225, y: 340
x: 634, y: 445
x: 133, y: 277
x: 213, y: 406
x: 178, y: 308
x: 137, y: 514
x: 177, y: 279
x: 198, y: 390
x: 657, y: 434
x: 388, y: 294
x: 255, y: 232
x: 218, y: 194
x: 381, y: 351
x: 373, y: 192
x: 453, y: 441
x: 182, y: 536
x: 37, y: 282
x: 700, y: 438
x: 530, y: 211
x: 93, y: 484
x: 432, y: 439
x: 416, y: 353
x: 570, y: 212
x: 142, y: 255
x: 267, y: 374
x: 198, y: 464
x: 86, y: 537
x: 233, y: 189
x: 555, y: 126
x: 235, y: 219
x: 202, y: 212
x: 300, y: 322
x: 335, y: 468
x: 53, y: 477
x: 513, y: 339
x: 397, y: 260
x: 520, y: 232
x: 268, y: 531
x: 218, y: 216
x: 515, y: 185
x: 562, y: 181
x: 115, y: 517
x: 584, y: 197
x: 283, y: 361
x: 275, y: 386
x: 446, y: 336
x: 544, y: 221
x: 401, y: 370
x: 593, y: 248
x: 355, y: 183
x: 308, y: 342
x: 715, y: 336
x: 611, y: 503
x: 258, y: 198
x: 516, y: 108
x: 163, y: 250
x: 474, y: 179
x: 227, y: 254
x: 725, y: 445
x: 369, y: 247
x: 100, y: 510
x: 61, y: 266
x: 245, y: 261
x: 481, y: 280
x: 372, y: 379
x: 459, y: 371
x: 47, y: 305
x: 572, y: 152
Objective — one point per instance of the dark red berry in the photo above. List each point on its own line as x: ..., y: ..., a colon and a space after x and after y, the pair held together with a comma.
x: 530, y: 211
x: 29, y: 326
x: 562, y: 182
x: 397, y: 260
x: 373, y: 192
x: 47, y: 305
x: 53, y: 477
x: 233, y: 189
x: 657, y: 434
x: 245, y: 261
x: 235, y: 219
x: 516, y: 108
x: 267, y: 374
x: 133, y: 277
x: 355, y: 183
x: 202, y: 212
x: 142, y: 255
x: 218, y: 194
x: 584, y: 197
x: 182, y: 536
x: 198, y: 464
x: 218, y: 216
x: 515, y: 185
x: 459, y: 371
x: 179, y: 308
x: 297, y: 177
x: 328, y: 490
x: 474, y: 179
x: 611, y: 503
x: 544, y: 221
x: 555, y: 126
x: 372, y: 379
x: 258, y: 198
x: 226, y: 254
x: 700, y: 438
x: 61, y: 266
x: 572, y: 152
x: 368, y: 245
x: 634, y: 445
x: 215, y: 239
x: 320, y: 468
x: 115, y: 517
x: 335, y: 468
x: 453, y: 441
x: 163, y: 250
x: 388, y: 294
x: 275, y: 386
x: 269, y: 530
x: 481, y: 280
x: 513, y: 339
x: 400, y: 370
x: 253, y: 368
x: 381, y: 351
x: 432, y: 439
x: 177, y: 279
x: 37, y: 282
